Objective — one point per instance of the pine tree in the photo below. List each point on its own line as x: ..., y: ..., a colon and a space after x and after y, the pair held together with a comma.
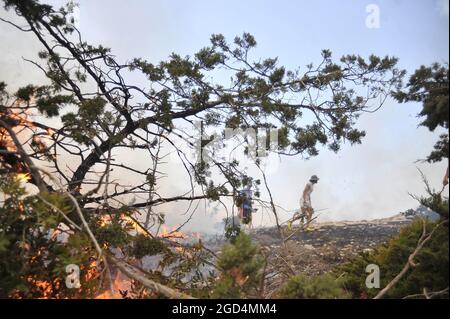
x: 116, y: 114
x: 429, y: 86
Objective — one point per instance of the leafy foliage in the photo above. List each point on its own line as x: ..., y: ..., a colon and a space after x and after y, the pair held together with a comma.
x: 232, y: 231
x: 432, y: 262
x: 431, y: 272
x: 429, y: 85
x: 143, y: 246
x: 320, y: 287
x: 240, y: 264
x: 32, y: 255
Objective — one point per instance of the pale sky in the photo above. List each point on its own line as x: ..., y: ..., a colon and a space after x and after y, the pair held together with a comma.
x: 366, y: 181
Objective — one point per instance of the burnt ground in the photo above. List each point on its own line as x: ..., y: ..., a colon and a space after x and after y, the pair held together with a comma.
x: 319, y: 251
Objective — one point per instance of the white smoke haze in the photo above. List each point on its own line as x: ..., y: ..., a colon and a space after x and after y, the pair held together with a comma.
x: 366, y: 181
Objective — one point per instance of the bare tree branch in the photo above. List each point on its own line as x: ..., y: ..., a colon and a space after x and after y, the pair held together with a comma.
x: 136, y: 274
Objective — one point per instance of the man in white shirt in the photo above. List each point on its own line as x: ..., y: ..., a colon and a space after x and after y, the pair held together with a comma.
x: 306, y: 209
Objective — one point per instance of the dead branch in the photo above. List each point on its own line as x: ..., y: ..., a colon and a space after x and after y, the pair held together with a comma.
x: 138, y: 275
x: 429, y: 295
x: 26, y: 159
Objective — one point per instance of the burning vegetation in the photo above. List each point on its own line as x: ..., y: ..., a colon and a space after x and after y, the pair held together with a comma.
x: 49, y: 239
x: 71, y: 227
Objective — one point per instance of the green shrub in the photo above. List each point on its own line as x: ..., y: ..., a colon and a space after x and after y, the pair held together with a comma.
x: 321, y: 287
x: 231, y: 232
x: 240, y: 263
x: 431, y: 271
x: 145, y: 246
x: 32, y: 261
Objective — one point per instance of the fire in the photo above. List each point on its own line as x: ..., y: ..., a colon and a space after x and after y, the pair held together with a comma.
x: 105, y: 220
x: 45, y: 287
x: 91, y: 271
x: 24, y: 128
x: 139, y: 229
x: 174, y: 233
x: 6, y: 141
x: 132, y: 223
x: 120, y: 284
x: 23, y: 176
x: 50, y: 132
x: 129, y: 222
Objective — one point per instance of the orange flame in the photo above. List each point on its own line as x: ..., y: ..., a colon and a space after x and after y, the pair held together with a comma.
x: 104, y: 220
x: 50, y: 132
x: 20, y: 118
x: 136, y: 226
x: 23, y: 176
x: 173, y: 234
x: 45, y: 287
x: 6, y: 140
x: 120, y: 284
